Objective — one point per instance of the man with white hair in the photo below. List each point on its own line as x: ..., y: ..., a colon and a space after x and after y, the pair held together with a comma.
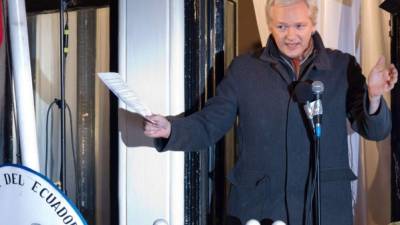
x: 270, y: 180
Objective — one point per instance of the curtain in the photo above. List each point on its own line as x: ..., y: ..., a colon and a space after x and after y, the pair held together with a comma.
x: 102, y: 124
x: 374, y: 175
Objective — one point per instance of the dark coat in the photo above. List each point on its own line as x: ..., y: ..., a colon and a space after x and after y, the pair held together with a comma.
x: 269, y: 180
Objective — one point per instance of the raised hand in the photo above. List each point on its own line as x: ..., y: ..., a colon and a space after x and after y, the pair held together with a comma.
x: 156, y: 126
x: 380, y: 80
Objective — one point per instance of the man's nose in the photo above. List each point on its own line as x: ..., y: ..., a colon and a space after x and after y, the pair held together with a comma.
x: 291, y: 33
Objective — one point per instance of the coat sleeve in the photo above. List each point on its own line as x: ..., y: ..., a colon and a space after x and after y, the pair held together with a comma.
x: 205, y: 127
x: 374, y: 127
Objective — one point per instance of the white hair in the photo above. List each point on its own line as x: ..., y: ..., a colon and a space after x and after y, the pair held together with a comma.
x: 312, y: 6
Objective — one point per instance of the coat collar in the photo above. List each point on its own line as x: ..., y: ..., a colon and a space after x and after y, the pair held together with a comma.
x: 271, y: 53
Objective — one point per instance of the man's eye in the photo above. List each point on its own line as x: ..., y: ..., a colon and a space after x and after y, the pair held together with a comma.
x: 281, y: 27
x: 300, y: 26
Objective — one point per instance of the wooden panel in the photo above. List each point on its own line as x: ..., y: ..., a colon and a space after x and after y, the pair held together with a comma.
x: 248, y: 35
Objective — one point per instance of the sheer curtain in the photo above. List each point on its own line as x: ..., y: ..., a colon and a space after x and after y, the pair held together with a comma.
x: 374, y: 199
x: 361, y: 29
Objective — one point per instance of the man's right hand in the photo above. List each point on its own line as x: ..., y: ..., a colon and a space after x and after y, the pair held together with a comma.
x: 156, y: 126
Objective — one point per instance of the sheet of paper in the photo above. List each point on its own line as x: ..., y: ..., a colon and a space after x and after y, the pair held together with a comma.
x: 115, y: 83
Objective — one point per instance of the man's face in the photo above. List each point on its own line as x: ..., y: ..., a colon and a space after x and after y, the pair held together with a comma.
x: 291, y: 27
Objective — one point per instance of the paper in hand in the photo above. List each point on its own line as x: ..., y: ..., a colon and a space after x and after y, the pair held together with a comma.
x: 115, y: 83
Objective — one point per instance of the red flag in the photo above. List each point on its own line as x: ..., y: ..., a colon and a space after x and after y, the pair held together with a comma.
x: 1, y: 23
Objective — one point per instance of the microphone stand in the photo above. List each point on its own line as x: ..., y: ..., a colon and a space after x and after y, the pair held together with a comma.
x: 314, y: 113
x: 317, y: 192
x: 317, y: 148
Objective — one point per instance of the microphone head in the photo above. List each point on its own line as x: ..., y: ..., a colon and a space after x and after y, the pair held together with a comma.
x: 303, y: 92
x: 317, y: 87
x: 278, y: 222
x: 253, y: 222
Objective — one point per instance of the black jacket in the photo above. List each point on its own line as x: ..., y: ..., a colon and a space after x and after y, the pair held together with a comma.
x: 269, y: 180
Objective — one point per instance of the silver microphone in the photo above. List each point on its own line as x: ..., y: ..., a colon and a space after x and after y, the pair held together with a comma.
x: 252, y: 222
x: 317, y: 89
x: 278, y: 222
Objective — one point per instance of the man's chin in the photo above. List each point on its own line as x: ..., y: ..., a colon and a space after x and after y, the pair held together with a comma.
x: 293, y: 55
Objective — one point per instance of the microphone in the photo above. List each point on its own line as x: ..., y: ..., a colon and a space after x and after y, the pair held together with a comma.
x: 278, y: 222
x: 304, y: 95
x: 256, y: 222
x: 252, y: 222
x: 317, y: 89
x: 303, y: 92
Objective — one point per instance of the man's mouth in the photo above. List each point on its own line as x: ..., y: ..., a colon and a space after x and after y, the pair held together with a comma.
x: 292, y: 46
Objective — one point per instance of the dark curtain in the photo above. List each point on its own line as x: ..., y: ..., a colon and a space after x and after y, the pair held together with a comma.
x: 395, y: 105
x: 204, y: 68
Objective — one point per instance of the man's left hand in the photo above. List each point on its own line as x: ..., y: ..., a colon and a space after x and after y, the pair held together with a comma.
x: 380, y: 80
